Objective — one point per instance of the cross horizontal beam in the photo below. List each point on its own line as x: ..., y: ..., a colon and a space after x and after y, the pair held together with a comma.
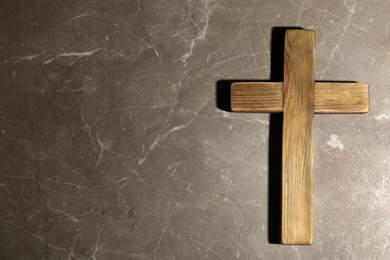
x: 267, y: 97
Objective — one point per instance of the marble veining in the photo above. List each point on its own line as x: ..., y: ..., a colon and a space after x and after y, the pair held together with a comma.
x: 113, y: 145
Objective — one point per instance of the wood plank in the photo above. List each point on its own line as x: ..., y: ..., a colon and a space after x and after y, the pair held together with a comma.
x: 266, y: 97
x: 341, y: 97
x: 298, y: 132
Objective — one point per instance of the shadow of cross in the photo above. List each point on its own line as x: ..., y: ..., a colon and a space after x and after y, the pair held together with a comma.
x: 298, y: 97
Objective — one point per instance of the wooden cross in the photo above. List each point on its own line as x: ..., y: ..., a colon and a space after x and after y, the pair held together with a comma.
x: 298, y: 97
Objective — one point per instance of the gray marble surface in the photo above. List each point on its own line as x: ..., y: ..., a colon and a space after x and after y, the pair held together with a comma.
x: 113, y: 145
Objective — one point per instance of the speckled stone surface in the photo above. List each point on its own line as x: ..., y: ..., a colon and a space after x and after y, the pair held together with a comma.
x: 113, y: 145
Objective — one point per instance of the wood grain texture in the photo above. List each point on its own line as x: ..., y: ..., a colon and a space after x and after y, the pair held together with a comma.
x: 298, y: 132
x: 341, y: 97
x: 266, y: 97
x: 298, y: 97
x: 263, y: 97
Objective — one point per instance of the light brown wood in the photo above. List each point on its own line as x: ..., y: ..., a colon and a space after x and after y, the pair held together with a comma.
x: 262, y: 97
x: 298, y: 97
x: 298, y: 132
x: 266, y: 97
x: 341, y: 97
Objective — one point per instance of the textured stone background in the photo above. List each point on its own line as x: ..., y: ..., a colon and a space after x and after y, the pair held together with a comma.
x: 113, y: 147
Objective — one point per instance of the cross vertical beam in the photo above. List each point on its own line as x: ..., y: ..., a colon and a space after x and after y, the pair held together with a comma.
x: 297, y: 145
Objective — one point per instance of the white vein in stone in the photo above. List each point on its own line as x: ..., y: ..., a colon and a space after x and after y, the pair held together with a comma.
x: 335, y: 142
x: 382, y: 116
x: 70, y: 54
